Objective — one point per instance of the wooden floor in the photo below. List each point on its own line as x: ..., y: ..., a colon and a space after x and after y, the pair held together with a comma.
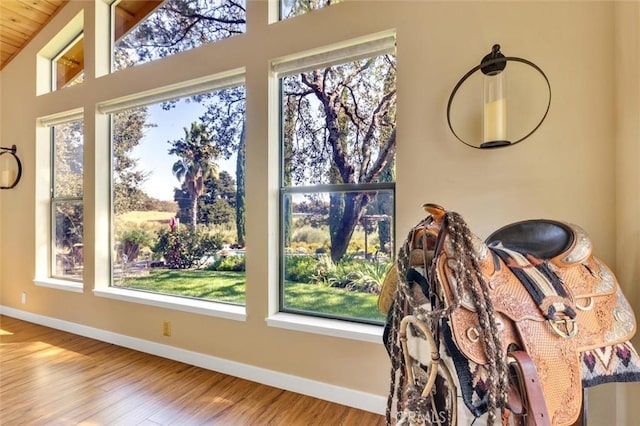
x: 49, y: 377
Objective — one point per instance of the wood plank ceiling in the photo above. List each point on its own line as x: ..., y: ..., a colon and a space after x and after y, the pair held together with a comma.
x: 20, y: 21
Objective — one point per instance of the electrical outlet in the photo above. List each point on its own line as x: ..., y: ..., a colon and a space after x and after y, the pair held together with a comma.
x: 24, y: 298
x: 166, y: 328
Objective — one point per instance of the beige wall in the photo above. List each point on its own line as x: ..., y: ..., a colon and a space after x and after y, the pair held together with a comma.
x: 567, y: 170
x: 627, y: 127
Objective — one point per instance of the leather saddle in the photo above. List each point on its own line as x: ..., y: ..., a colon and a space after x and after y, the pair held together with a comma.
x: 562, y: 321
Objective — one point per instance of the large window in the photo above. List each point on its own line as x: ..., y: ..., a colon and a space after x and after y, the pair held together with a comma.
x: 337, y: 182
x: 178, y: 196
x: 67, y: 222
x: 144, y: 30
x: 171, y: 227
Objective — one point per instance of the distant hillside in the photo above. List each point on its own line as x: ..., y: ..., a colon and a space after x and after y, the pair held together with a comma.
x: 139, y: 217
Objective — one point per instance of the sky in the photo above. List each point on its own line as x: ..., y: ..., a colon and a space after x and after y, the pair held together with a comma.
x: 153, y: 150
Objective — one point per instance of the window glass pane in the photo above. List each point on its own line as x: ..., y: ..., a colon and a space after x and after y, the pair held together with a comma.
x: 147, y: 30
x: 319, y: 281
x: 178, y: 197
x: 68, y: 159
x: 69, y: 65
x: 338, y: 149
x: 338, y: 123
x: 68, y: 222
x: 291, y: 8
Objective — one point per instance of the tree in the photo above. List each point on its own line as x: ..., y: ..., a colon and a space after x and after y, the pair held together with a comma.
x: 344, y: 134
x: 356, y: 99
x: 197, y: 154
x: 128, y: 130
x: 241, y: 188
x: 384, y: 206
x: 225, y: 119
x: 68, y: 148
x: 292, y: 8
x: 217, y: 204
x: 337, y: 199
x: 288, y: 130
x: 176, y: 26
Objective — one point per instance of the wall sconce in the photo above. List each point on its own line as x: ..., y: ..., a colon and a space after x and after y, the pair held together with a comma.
x: 10, y: 167
x: 494, y: 112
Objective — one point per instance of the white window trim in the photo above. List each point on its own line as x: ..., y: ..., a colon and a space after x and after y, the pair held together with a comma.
x: 196, y: 306
x: 206, y: 84
x: 43, y: 199
x: 61, y: 118
x: 52, y: 49
x: 179, y: 90
x: 349, y: 51
x: 73, y: 286
x: 326, y: 326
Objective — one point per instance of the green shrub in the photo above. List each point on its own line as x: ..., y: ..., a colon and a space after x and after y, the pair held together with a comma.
x: 352, y: 274
x: 325, y: 268
x: 369, y: 276
x: 300, y: 269
x: 309, y: 234
x: 228, y: 263
x: 132, y: 240
x: 184, y: 247
x: 342, y: 276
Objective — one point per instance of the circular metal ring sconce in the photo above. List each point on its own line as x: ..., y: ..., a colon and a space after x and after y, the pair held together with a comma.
x: 496, y: 62
x: 9, y: 177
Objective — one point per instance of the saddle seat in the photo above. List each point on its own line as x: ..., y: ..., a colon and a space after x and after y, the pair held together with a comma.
x: 561, y: 243
x: 545, y: 239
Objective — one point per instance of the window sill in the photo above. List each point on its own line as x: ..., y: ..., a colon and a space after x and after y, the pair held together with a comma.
x: 202, y: 307
x: 328, y: 327
x: 74, y: 286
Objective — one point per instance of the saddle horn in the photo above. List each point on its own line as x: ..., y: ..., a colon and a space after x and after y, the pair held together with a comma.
x: 437, y: 214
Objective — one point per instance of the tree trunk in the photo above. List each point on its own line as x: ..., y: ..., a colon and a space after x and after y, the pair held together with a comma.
x: 336, y: 214
x: 353, y: 209
x: 194, y: 210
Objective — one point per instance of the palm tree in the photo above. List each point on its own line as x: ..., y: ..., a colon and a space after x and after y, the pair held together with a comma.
x: 197, y: 153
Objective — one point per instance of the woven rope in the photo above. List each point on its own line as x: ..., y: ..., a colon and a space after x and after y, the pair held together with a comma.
x: 468, y: 277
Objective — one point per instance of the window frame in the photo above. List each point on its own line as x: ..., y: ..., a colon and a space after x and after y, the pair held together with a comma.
x: 54, y: 201
x: 60, y: 55
x: 351, y: 50
x: 210, y: 83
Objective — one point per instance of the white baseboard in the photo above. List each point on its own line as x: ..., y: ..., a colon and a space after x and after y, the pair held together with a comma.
x: 340, y: 395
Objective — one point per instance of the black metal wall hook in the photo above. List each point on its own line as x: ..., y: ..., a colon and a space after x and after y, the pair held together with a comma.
x: 12, y: 152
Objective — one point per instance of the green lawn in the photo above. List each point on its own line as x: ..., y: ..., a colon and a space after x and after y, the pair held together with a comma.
x: 230, y: 287
x: 214, y: 285
x: 332, y: 301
